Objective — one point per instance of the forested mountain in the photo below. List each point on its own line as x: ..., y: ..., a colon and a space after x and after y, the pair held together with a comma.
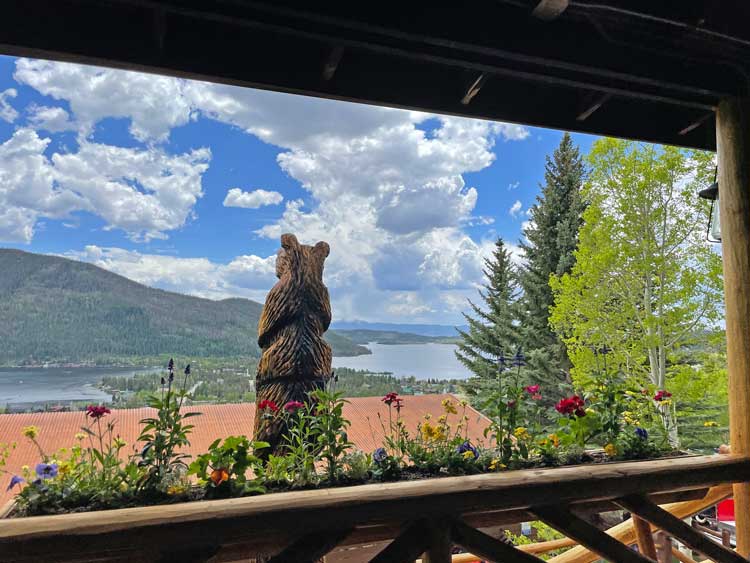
x: 60, y: 310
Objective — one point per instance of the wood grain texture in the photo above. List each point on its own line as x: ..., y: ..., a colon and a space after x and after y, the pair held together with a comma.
x: 644, y: 537
x: 640, y: 505
x: 625, y: 531
x: 270, y: 522
x: 413, y: 541
x: 563, y: 520
x: 733, y: 148
x: 487, y: 547
x: 311, y: 547
x: 295, y: 359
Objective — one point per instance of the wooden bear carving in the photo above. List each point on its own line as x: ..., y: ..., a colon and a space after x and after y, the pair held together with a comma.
x: 295, y: 359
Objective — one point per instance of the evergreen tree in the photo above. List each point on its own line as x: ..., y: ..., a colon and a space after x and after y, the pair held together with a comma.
x: 492, y: 329
x: 551, y: 239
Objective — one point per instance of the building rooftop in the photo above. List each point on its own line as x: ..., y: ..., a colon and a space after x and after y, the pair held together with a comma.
x: 57, y: 429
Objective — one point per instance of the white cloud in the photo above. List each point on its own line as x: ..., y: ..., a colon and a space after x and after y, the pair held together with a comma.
x: 155, y: 104
x: 146, y: 193
x: 381, y: 190
x: 513, y: 185
x: 515, y: 209
x: 252, y: 200
x: 7, y: 112
x: 245, y: 276
x: 49, y: 118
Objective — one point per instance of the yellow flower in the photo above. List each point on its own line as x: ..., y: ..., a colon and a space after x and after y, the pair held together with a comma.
x: 610, y: 449
x: 124, y: 486
x: 495, y: 465
x: 665, y: 402
x: 590, y: 411
x: 442, y: 419
x: 31, y: 432
x: 710, y: 423
x: 463, y: 403
x: 522, y: 433
x: 543, y: 442
x: 80, y: 436
x: 555, y: 440
x: 449, y: 407
x: 64, y: 467
x: 468, y: 454
x: 428, y: 416
x: 176, y: 490
x: 119, y: 443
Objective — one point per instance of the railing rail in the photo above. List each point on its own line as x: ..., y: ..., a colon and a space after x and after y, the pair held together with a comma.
x: 421, y: 515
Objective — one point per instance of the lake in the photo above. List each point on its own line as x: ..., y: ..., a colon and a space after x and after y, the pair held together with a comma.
x: 35, y: 385
x: 423, y: 361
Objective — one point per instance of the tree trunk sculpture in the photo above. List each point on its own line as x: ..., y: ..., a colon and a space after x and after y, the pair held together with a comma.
x: 295, y: 359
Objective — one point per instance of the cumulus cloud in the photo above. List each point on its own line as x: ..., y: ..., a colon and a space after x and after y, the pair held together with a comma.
x: 49, y: 118
x: 7, y: 112
x: 252, y: 200
x: 515, y: 209
x: 146, y: 193
x: 245, y: 276
x: 390, y: 198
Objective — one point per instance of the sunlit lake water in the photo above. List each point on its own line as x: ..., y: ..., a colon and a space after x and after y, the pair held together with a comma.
x: 423, y: 361
x: 27, y: 385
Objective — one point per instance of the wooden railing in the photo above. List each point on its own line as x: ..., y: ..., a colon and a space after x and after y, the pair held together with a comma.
x: 426, y: 518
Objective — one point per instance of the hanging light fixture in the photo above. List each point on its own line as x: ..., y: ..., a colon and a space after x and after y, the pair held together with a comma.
x: 713, y: 232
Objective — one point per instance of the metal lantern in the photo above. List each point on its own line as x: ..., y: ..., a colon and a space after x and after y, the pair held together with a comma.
x: 713, y: 232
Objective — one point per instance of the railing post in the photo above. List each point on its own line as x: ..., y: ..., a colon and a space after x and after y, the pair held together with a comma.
x: 663, y: 547
x: 733, y: 148
x: 440, y: 543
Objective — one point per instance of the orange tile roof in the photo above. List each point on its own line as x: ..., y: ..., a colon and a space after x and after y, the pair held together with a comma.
x: 57, y: 429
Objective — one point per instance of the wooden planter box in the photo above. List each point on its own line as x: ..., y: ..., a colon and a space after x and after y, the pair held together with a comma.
x: 236, y: 529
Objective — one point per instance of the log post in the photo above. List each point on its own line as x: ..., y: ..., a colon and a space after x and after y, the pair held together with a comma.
x: 733, y: 148
x: 643, y: 537
x: 663, y: 545
x: 440, y: 543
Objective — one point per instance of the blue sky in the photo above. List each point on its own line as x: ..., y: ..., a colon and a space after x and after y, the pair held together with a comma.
x: 187, y: 186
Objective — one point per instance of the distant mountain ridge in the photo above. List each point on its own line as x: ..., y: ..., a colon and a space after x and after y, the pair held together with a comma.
x: 408, y: 328
x: 53, y: 309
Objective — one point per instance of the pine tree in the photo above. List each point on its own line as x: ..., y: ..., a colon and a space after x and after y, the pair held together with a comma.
x: 492, y: 329
x: 551, y: 239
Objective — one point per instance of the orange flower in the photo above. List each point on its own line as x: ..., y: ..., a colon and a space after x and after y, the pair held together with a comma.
x: 218, y: 476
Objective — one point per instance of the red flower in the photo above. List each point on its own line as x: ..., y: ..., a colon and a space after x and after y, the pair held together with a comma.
x: 390, y: 398
x: 97, y: 411
x: 511, y: 404
x: 532, y: 389
x: 571, y: 406
x: 267, y: 404
x: 662, y: 395
x: 292, y: 406
x: 397, y: 402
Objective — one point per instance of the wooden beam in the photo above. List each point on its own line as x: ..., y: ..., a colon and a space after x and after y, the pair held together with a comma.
x: 586, y: 534
x: 625, y: 532
x: 332, y: 62
x: 412, y: 542
x: 310, y: 548
x: 640, y: 505
x: 548, y: 10
x: 487, y: 547
x: 592, y: 106
x: 733, y: 148
x: 439, y: 550
x: 474, y: 89
x: 644, y: 537
x: 663, y: 547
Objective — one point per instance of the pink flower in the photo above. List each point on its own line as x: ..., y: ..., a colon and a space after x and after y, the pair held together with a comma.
x: 532, y: 389
x: 97, y: 411
x: 292, y: 406
x: 390, y: 398
x: 267, y: 404
x: 537, y: 396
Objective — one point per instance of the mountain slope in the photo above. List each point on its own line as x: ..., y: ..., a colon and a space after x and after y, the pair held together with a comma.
x: 55, y: 309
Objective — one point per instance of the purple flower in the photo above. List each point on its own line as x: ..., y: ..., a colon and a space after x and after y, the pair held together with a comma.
x: 379, y: 455
x: 641, y: 433
x: 467, y: 447
x: 15, y: 480
x: 46, y: 470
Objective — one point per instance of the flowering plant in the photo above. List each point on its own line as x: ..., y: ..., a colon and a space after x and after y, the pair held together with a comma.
x: 224, y: 469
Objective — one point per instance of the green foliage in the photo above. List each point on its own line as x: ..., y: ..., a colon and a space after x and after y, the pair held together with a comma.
x: 492, y: 332
x: 329, y: 426
x: 223, y: 470
x: 644, y: 279
x: 356, y: 465
x: 164, y: 435
x: 550, y: 241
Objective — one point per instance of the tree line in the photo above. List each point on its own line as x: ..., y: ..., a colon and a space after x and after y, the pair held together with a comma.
x: 615, y: 271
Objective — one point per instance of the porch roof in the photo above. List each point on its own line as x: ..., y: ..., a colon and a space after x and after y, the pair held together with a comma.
x: 629, y: 68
